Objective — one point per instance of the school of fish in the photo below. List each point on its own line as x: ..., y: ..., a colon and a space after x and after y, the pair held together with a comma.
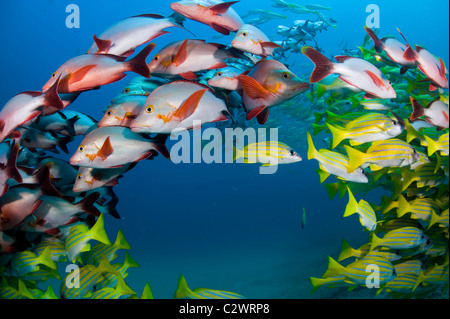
x: 384, y: 108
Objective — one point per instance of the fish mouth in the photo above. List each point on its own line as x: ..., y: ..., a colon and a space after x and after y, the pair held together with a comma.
x: 139, y: 128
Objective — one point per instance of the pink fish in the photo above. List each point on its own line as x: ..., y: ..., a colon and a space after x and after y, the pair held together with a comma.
x: 433, y: 68
x: 435, y: 113
x: 25, y: 107
x: 126, y: 35
x: 22, y: 200
x: 183, y: 58
x: 8, y: 168
x: 393, y: 48
x: 354, y: 71
x: 268, y: 84
x: 176, y: 105
x: 251, y: 39
x: 90, y: 71
x: 215, y: 13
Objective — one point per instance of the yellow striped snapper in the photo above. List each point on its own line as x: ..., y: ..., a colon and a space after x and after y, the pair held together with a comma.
x: 367, y: 216
x: 335, y: 163
x: 388, y: 153
x: 347, y: 251
x: 338, y: 280
x: 110, y: 279
x: 401, y: 238
x: 120, y: 291
x: 78, y: 283
x: 7, y: 291
x: 57, y: 249
x: 183, y: 291
x: 404, y: 283
x: 367, y: 128
x: 420, y: 208
x: 441, y: 219
x: 440, y: 145
x: 358, y: 271
x: 435, y: 275
x: 424, y: 175
x: 268, y: 153
x: 99, y: 250
x: 79, y: 236
x: 24, y: 262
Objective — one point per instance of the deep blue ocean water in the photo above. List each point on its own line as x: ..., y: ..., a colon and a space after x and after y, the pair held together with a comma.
x: 222, y: 226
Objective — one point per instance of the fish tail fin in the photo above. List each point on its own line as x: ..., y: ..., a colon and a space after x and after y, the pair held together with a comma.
x: 316, y: 283
x: 46, y: 186
x: 122, y: 289
x: 332, y: 189
x: 334, y: 268
x: 375, y: 242
x: 237, y: 153
x: 23, y: 290
x: 352, y: 205
x: 323, y: 65
x: 51, y: 97
x: 177, y: 18
x: 138, y: 63
x: 129, y: 262
x: 432, y: 145
x: 121, y: 242
x: 147, y: 292
x: 418, y: 109
x: 98, y: 231
x: 87, y: 204
x: 46, y: 258
x: 338, y: 134
x: 320, y: 89
x: 388, y: 204
x: 433, y: 220
x: 160, y: 145
x: 420, y: 279
x: 411, y: 132
x: 105, y: 266
x: 377, y: 42
x: 312, y: 151
x: 407, y: 179
x: 183, y: 290
x: 403, y: 206
x: 347, y: 251
x: 322, y: 174
x: 355, y: 158
x: 11, y: 165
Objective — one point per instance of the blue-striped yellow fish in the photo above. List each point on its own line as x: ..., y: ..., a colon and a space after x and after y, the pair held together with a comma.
x: 57, y: 249
x: 358, y: 271
x: 420, y: 208
x: 8, y: 291
x: 334, y: 163
x: 79, y: 283
x: 428, y: 174
x: 183, y: 291
x: 110, y: 279
x: 389, y: 153
x: 335, y: 281
x: 435, y: 275
x: 268, y: 153
x: 441, y: 219
x: 80, y: 235
x: 367, y: 216
x: 367, y: 128
x: 403, y: 283
x: 24, y: 262
x: 120, y: 291
x: 348, y: 251
x: 401, y: 238
x: 109, y: 251
x: 438, y: 145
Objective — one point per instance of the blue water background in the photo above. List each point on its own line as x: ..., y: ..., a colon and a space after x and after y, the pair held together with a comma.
x: 222, y: 226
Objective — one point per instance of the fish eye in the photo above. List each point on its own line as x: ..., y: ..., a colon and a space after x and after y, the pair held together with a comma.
x: 109, y: 113
x: 244, y: 34
x: 286, y: 75
x: 156, y: 58
x: 79, y: 177
x: 126, y: 90
x: 81, y: 148
x: 414, y: 151
x: 219, y: 74
x: 292, y: 152
x: 54, y: 74
x: 149, y: 109
x: 394, y: 122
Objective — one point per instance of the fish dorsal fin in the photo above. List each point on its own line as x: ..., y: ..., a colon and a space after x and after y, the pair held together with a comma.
x: 376, y: 79
x: 189, y: 105
x: 222, y: 8
x: 149, y: 15
x: 103, y: 45
x: 106, y: 149
x: 342, y: 58
x: 252, y: 88
x: 181, y: 55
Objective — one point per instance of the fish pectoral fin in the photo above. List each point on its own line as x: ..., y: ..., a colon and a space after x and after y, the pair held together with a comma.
x: 79, y: 74
x: 105, y: 150
x: 220, y: 29
x: 270, y: 45
x: 189, y: 105
x: 375, y: 78
x: 255, y: 112
x: 181, y: 55
x: 253, y: 88
x: 189, y: 75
